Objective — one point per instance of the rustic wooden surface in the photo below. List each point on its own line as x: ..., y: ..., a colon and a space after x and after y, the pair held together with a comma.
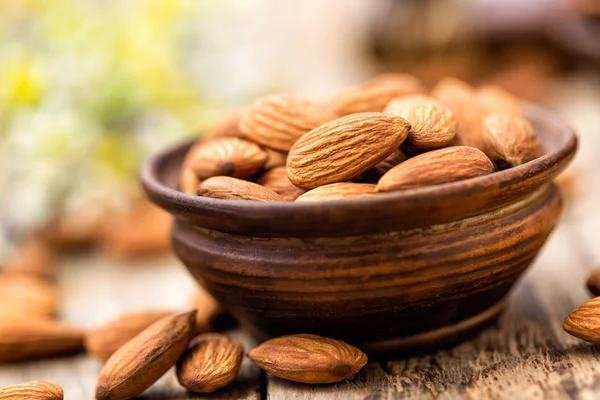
x: 525, y: 356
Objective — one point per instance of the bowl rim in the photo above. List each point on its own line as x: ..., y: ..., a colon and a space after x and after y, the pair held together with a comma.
x: 182, y: 204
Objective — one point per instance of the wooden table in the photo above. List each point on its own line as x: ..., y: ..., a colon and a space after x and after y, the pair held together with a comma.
x: 526, y: 355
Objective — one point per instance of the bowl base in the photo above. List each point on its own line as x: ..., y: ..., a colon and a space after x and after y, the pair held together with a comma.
x: 442, y: 337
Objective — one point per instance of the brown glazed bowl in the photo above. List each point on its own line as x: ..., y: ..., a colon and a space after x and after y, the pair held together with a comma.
x: 405, y: 270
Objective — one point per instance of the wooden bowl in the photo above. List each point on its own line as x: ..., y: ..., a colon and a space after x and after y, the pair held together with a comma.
x: 404, y: 270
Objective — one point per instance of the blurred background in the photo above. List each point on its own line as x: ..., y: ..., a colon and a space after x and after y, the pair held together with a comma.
x: 89, y: 88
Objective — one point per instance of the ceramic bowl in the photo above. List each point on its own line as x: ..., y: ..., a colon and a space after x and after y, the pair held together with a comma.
x: 404, y: 270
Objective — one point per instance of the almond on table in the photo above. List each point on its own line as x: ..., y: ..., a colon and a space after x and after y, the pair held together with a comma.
x: 32, y: 391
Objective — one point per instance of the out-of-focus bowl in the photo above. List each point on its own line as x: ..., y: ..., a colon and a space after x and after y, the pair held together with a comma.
x: 403, y: 270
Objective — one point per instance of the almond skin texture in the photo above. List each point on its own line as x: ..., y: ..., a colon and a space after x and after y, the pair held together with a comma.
x: 277, y: 180
x: 374, y: 95
x: 32, y: 340
x: 344, y: 148
x: 28, y: 294
x: 105, y: 340
x: 432, y: 125
x: 227, y: 156
x: 145, y: 358
x: 436, y: 167
x: 212, y: 362
x: 510, y: 140
x: 308, y: 358
x: 373, y: 174
x: 32, y: 391
x: 496, y: 100
x: 278, y: 121
x: 460, y: 97
x: 584, y: 321
x: 340, y: 190
x: 224, y: 187
x: 226, y: 126
x: 593, y: 282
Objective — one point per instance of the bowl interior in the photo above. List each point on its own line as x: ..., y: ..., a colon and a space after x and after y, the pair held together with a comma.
x: 385, y: 212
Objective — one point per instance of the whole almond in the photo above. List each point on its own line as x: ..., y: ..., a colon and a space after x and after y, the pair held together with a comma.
x: 145, y: 358
x: 373, y: 174
x: 308, y: 358
x: 278, y: 121
x: 224, y: 187
x: 460, y: 97
x: 102, y: 342
x: 374, y: 95
x: 340, y: 190
x: 584, y: 321
x: 31, y: 340
x: 435, y: 167
x: 226, y: 126
x: 277, y: 180
x: 276, y: 158
x: 593, y: 282
x: 510, y: 140
x: 432, y: 125
x: 344, y: 148
x: 32, y: 391
x: 29, y: 294
x: 212, y: 362
x: 496, y: 100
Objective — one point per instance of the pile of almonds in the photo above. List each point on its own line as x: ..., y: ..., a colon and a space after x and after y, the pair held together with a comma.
x: 385, y: 135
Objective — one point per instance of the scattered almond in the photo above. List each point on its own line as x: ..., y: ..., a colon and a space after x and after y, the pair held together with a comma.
x: 436, y: 167
x: 374, y: 95
x: 308, y: 358
x: 497, y: 100
x: 510, y: 140
x: 432, y: 125
x: 344, y: 148
x: 32, y: 391
x: 224, y: 187
x: 593, y: 282
x: 28, y: 294
x: 340, y: 190
x: 30, y: 340
x: 460, y: 97
x: 584, y: 321
x: 278, y: 121
x: 37, y: 256
x: 277, y: 180
x: 102, y: 342
x: 212, y: 362
x: 145, y: 358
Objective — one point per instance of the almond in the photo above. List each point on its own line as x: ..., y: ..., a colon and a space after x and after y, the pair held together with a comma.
x: 374, y: 95
x: 432, y: 125
x: 212, y: 362
x: 510, y: 140
x: 227, y: 126
x: 340, y: 190
x: 276, y: 158
x: 207, y: 309
x: 497, y: 100
x: 224, y: 187
x: 374, y: 173
x: 344, y: 148
x: 435, y: 167
x: 145, y: 358
x: 30, y: 340
x: 102, y: 342
x: 593, y: 282
x: 278, y: 121
x: 227, y: 156
x: 36, y: 257
x: 308, y: 358
x: 277, y: 180
x: 28, y: 294
x: 584, y: 321
x: 460, y: 97
x: 32, y: 391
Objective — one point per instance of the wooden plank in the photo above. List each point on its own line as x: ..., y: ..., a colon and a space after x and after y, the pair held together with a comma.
x: 96, y: 289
